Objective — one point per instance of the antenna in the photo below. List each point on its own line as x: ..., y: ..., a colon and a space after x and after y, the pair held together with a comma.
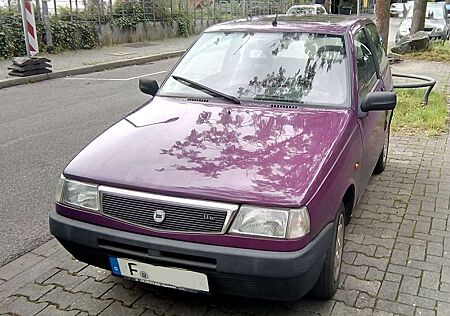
x: 275, y: 22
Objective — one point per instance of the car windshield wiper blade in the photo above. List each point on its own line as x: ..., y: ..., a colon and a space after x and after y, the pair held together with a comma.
x: 205, y: 89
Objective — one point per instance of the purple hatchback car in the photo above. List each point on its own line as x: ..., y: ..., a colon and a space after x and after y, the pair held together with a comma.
x: 241, y: 172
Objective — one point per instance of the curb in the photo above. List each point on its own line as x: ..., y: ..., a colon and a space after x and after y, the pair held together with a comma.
x: 90, y: 69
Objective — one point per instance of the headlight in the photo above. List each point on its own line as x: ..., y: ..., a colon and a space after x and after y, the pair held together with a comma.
x: 78, y: 194
x: 438, y: 29
x: 270, y: 222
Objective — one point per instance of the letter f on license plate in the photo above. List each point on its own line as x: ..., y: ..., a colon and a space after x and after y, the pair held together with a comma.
x: 162, y: 276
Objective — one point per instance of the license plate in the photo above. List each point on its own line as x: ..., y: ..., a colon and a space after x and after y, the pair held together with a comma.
x: 162, y: 276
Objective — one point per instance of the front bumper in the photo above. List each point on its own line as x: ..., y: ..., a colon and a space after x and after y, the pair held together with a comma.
x: 253, y: 273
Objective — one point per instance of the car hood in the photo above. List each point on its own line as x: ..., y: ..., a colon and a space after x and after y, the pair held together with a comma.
x: 221, y: 152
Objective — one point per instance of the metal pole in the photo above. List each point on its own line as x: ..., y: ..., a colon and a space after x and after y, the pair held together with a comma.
x: 54, y: 4
x: 70, y: 8
x: 48, y: 32
x: 9, y: 5
x: 358, y: 4
x: 25, y: 30
x: 38, y: 10
x: 111, y: 10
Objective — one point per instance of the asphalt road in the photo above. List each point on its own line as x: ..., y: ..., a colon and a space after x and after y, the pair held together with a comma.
x: 42, y: 127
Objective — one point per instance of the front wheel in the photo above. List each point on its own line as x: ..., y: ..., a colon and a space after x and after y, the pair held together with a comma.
x: 328, y: 281
x: 381, y: 163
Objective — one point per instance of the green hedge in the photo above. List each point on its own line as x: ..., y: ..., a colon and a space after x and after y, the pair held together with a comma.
x: 66, y: 35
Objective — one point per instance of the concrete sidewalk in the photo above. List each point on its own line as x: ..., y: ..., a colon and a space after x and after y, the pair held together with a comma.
x: 86, y: 61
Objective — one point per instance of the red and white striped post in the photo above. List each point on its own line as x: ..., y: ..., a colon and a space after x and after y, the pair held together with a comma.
x: 29, y: 28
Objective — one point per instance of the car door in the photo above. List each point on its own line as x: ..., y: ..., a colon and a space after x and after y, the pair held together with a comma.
x: 372, y: 124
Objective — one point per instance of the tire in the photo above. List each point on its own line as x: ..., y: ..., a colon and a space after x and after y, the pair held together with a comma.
x: 328, y: 281
x: 381, y: 163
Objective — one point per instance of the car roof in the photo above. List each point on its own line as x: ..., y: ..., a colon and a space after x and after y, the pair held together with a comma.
x: 306, y: 5
x: 329, y: 23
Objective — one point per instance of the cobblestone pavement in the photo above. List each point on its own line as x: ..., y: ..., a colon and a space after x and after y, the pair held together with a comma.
x: 396, y: 259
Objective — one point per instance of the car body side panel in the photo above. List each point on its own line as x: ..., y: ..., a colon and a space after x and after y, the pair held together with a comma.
x: 344, y: 173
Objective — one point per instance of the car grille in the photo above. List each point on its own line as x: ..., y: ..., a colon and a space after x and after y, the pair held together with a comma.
x: 178, y: 218
x: 428, y: 29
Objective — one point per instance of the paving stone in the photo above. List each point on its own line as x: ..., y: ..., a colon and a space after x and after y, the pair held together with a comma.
x: 48, y: 249
x: 126, y: 296
x: 72, y: 266
x: 424, y: 312
x: 156, y: 303
x: 388, y: 290
x: 395, y: 307
x: 34, y: 291
x: 52, y: 310
x: 424, y: 265
x: 346, y: 296
x: 434, y: 248
x: 445, y: 276
x: 365, y: 301
x: 410, y: 285
x: 66, y: 280
x: 368, y: 250
x: 95, y: 288
x: 379, y: 263
x: 89, y: 304
x: 444, y: 287
x: 416, y: 301
x: 342, y: 309
x: 374, y: 274
x: 61, y: 255
x: 442, y: 309
x: 310, y: 305
x: 47, y: 275
x: 399, y: 257
x: 417, y: 252
x: 117, y: 309
x: 23, y: 263
x: 357, y: 271
x: 431, y: 280
x: 62, y: 299
x: 26, y: 277
x: 21, y: 306
x: 435, y: 295
x: 94, y: 272
x: 404, y: 270
x: 370, y: 287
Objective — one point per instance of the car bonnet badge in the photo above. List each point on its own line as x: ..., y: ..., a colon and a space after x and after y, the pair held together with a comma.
x: 159, y: 216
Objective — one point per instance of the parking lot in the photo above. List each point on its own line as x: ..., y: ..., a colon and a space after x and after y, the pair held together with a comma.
x: 397, y: 250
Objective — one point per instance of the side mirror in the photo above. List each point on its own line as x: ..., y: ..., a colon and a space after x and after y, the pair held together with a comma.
x: 148, y: 86
x: 379, y: 101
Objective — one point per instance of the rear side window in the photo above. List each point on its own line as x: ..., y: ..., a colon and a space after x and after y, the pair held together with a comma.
x: 365, y: 63
x: 377, y: 44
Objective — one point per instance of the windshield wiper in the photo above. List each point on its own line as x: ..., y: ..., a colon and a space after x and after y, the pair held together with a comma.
x: 205, y: 89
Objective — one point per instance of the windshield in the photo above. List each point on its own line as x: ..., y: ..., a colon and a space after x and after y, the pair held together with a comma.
x: 434, y: 12
x: 285, y: 67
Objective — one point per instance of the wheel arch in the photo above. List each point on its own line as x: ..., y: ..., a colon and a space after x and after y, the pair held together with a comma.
x: 349, y: 202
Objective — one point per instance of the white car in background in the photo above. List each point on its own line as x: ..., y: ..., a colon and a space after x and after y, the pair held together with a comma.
x: 397, y: 9
x: 306, y: 9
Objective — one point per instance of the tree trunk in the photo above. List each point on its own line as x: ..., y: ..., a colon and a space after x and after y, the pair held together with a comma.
x: 382, y: 19
x: 418, y: 20
x: 328, y: 5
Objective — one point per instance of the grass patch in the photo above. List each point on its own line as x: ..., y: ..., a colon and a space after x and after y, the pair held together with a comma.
x: 411, y: 117
x: 437, y: 51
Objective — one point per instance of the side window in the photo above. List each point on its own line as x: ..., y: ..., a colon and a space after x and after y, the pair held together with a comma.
x: 365, y: 63
x: 377, y: 44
